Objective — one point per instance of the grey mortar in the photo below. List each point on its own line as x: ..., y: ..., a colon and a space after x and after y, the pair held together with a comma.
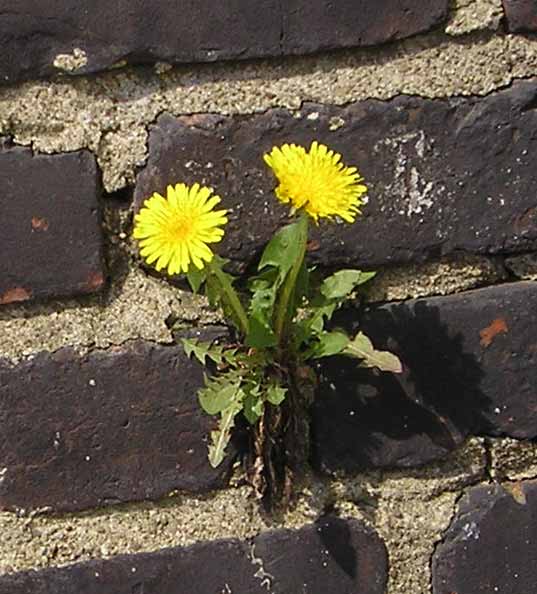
x: 443, y: 277
x: 474, y: 15
x: 139, y: 305
x: 523, y: 267
x: 410, y: 509
x: 513, y: 459
x: 110, y: 114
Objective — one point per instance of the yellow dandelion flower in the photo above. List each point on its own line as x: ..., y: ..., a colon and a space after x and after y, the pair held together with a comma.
x: 316, y: 181
x: 173, y: 232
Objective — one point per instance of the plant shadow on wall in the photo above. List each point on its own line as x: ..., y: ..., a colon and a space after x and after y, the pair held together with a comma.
x: 363, y: 419
x: 264, y: 373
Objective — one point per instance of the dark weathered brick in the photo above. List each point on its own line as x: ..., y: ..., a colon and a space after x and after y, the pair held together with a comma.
x: 470, y: 368
x: 33, y: 34
x: 116, y: 425
x: 445, y: 176
x: 490, y: 545
x: 331, y: 556
x: 309, y: 26
x: 521, y: 15
x: 50, y: 228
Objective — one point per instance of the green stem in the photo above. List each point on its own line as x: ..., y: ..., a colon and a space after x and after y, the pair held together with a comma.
x: 230, y: 296
x: 283, y: 313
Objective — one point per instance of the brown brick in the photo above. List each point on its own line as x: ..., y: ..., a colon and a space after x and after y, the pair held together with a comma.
x: 470, y: 368
x: 33, y: 34
x: 112, y: 426
x: 445, y: 176
x: 521, y: 15
x: 332, y: 555
x: 490, y: 545
x: 50, y: 227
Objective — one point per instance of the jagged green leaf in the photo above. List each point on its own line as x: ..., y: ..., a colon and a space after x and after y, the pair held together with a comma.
x: 203, y: 350
x: 218, y: 395
x: 328, y: 344
x: 362, y: 348
x: 342, y: 283
x: 221, y: 436
x: 196, y: 278
x: 253, y: 407
x: 200, y: 350
x: 276, y: 394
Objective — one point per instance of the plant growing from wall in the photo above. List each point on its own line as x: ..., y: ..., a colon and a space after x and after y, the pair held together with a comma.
x: 280, y: 321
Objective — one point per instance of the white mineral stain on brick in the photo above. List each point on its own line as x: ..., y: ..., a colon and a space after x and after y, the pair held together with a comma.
x: 3, y: 472
x: 335, y: 123
x: 414, y: 192
x: 123, y: 104
x: 265, y: 577
x: 470, y: 531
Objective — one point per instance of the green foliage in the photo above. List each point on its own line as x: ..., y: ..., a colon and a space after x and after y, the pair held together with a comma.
x: 204, y: 350
x: 274, y: 268
x: 283, y: 325
x: 196, y: 278
x: 342, y: 283
x: 362, y: 348
x: 328, y: 344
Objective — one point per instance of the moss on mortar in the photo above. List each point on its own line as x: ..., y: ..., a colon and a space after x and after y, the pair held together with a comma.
x: 110, y: 114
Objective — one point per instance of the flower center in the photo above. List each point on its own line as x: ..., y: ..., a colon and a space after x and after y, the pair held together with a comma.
x: 181, y: 228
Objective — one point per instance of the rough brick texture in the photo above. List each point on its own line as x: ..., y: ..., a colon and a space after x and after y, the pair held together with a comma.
x: 521, y: 15
x: 50, y: 227
x: 116, y: 425
x: 331, y: 556
x: 470, y: 367
x: 490, y: 545
x: 445, y: 175
x: 33, y: 34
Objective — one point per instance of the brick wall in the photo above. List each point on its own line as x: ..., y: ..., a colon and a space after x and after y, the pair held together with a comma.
x: 421, y: 483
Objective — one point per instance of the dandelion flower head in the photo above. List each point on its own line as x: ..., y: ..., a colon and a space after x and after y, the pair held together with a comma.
x: 174, y: 232
x: 317, y: 181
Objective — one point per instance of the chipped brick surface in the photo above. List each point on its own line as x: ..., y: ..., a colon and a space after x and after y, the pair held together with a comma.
x: 490, y: 545
x: 521, y: 15
x: 470, y: 368
x: 445, y: 176
x: 112, y: 426
x: 332, y: 555
x: 50, y: 227
x: 38, y: 39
